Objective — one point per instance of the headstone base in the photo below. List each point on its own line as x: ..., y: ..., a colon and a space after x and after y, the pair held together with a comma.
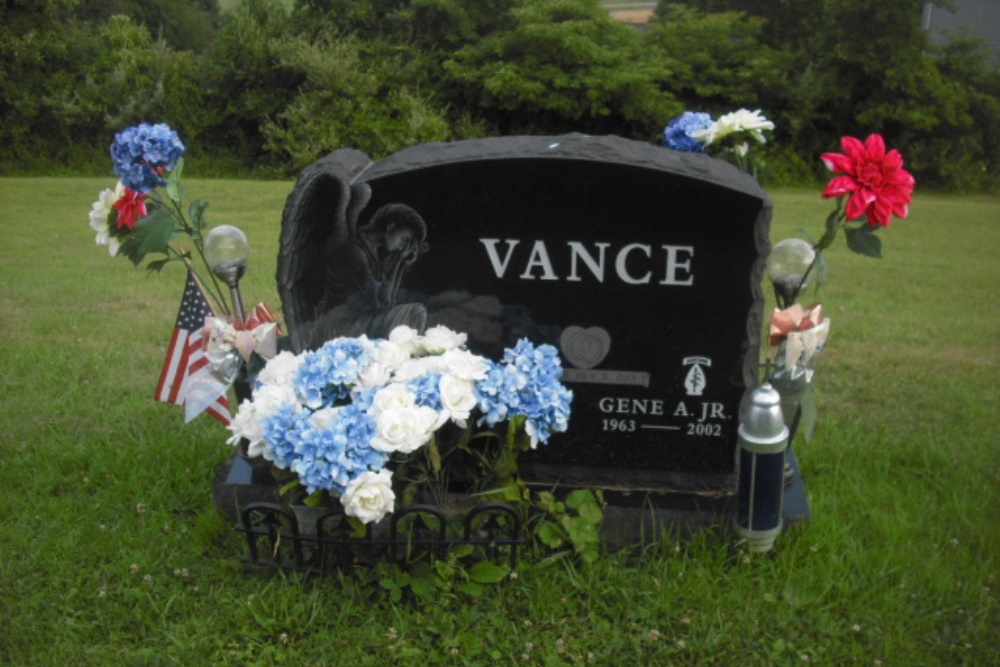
x: 630, y: 517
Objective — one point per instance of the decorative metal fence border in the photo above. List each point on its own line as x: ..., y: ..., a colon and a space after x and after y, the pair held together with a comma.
x: 323, y: 541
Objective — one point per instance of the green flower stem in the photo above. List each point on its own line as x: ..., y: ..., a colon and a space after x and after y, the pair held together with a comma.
x: 839, y: 219
x: 218, y: 295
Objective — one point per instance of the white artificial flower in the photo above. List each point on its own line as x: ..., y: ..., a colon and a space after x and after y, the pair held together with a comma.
x: 405, y: 430
x: 244, y: 425
x: 464, y: 364
x: 248, y: 421
x: 458, y: 398
x: 406, y: 338
x: 393, y: 397
x: 374, y: 374
x: 418, y: 367
x: 529, y: 429
x: 281, y: 370
x: 99, y: 212
x: 268, y: 398
x: 741, y: 120
x: 441, y: 339
x: 369, y: 496
x: 390, y: 354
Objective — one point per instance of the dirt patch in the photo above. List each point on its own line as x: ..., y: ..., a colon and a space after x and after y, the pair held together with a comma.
x: 632, y: 15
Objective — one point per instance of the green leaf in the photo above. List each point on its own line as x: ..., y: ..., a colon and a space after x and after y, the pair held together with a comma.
x: 832, y: 225
x: 590, y: 553
x: 821, y: 271
x: 472, y: 589
x: 433, y: 453
x: 288, y: 487
x: 580, y: 498
x: 488, y: 573
x: 863, y: 241
x: 582, y: 533
x: 153, y: 233
x: 423, y: 581
x: 585, y: 503
x: 174, y: 188
x: 196, y: 212
x: 314, y: 498
x: 157, y: 266
x: 550, y: 534
x: 463, y: 550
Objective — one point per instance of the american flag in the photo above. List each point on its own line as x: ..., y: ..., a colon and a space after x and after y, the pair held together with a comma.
x: 186, y: 356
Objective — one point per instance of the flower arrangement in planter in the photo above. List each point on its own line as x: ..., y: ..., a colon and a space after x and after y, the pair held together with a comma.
x: 363, y: 421
x: 728, y: 137
x: 362, y: 427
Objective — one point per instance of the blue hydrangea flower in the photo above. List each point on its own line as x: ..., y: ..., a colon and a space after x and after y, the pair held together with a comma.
x: 527, y: 383
x: 497, y: 392
x: 327, y: 375
x: 324, y: 457
x: 282, y: 435
x: 677, y: 133
x: 427, y: 389
x: 142, y: 153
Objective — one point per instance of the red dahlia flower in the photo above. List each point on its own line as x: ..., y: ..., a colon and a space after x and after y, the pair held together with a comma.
x: 876, y: 181
x: 131, y: 206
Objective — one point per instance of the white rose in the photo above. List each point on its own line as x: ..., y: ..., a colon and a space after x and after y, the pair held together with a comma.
x: 369, y: 496
x: 457, y: 398
x: 391, y: 355
x: 418, y: 367
x: 245, y: 424
x: 269, y: 397
x: 393, y: 397
x: 374, y: 374
x: 464, y: 364
x: 281, y: 370
x: 405, y: 430
x: 406, y: 338
x: 441, y: 339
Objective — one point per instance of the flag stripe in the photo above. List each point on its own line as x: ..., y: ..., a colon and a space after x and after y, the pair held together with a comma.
x: 170, y: 368
x: 185, y: 356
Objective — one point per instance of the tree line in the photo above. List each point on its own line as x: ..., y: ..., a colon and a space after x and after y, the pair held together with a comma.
x: 266, y: 87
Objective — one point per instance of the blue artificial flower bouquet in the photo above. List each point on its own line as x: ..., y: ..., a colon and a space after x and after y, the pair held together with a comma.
x: 346, y: 419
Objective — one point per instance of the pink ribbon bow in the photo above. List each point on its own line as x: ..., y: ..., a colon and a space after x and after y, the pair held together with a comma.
x: 228, y: 345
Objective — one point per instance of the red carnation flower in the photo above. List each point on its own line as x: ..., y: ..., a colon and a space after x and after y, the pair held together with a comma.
x: 131, y: 207
x: 876, y: 181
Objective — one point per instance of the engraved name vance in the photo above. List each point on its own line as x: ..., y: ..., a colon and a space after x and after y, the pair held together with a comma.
x: 631, y: 263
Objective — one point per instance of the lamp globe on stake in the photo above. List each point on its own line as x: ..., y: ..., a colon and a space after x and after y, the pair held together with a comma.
x: 789, y: 266
x: 226, y: 251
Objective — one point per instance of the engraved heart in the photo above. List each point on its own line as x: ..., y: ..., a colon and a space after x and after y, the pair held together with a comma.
x: 585, y: 348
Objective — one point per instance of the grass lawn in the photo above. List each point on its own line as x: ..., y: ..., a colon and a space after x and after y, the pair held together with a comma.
x: 112, y: 553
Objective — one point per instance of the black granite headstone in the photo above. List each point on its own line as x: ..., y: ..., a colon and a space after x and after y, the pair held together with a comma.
x: 641, y: 264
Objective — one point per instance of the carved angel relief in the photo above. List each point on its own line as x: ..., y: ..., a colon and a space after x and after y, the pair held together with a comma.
x: 338, y: 276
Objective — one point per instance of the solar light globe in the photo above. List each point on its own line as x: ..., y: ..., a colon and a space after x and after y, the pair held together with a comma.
x: 226, y: 251
x: 787, y: 266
